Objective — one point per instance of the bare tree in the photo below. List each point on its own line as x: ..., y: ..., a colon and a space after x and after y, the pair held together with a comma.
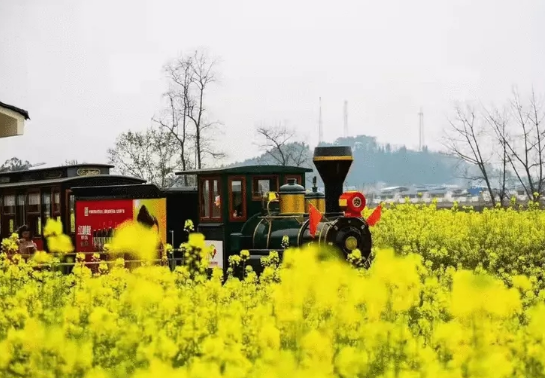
x: 174, y: 121
x: 151, y: 155
x: 190, y: 78
x: 279, y: 145
x: 519, y: 131
x: 498, y: 123
x: 466, y: 140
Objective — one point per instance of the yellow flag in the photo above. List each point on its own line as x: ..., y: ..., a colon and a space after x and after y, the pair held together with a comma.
x: 272, y: 196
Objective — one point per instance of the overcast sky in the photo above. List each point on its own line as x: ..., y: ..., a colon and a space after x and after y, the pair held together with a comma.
x: 89, y: 70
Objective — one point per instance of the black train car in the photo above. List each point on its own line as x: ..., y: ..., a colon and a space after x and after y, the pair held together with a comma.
x: 181, y: 207
x: 178, y: 204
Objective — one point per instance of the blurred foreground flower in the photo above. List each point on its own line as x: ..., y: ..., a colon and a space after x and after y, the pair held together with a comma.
x: 132, y: 237
x: 57, y: 241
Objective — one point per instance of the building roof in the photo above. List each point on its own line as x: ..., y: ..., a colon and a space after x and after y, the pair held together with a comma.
x: 248, y: 169
x: 20, y: 111
x: 84, y: 165
x: 67, y: 179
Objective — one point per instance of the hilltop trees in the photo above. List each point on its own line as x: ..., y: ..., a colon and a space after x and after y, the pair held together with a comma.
x: 15, y: 164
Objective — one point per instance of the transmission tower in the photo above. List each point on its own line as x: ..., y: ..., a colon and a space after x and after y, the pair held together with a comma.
x: 345, y: 118
x: 421, y: 130
x: 320, y: 125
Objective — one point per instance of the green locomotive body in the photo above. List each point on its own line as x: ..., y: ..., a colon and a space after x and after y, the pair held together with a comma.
x: 261, y: 221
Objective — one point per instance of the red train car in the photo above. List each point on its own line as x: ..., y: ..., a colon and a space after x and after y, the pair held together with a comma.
x: 32, y: 196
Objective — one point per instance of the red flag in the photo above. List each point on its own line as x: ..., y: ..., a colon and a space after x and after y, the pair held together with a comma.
x: 314, y: 217
x: 375, y: 216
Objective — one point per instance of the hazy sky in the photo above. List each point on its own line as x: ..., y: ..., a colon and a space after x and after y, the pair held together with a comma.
x: 89, y: 70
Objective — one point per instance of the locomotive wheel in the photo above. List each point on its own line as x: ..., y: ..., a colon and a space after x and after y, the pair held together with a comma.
x: 349, y: 234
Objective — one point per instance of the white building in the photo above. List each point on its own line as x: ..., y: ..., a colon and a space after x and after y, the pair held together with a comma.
x: 12, y: 120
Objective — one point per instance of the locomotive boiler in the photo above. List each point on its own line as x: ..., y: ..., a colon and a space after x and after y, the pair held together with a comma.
x: 297, y: 217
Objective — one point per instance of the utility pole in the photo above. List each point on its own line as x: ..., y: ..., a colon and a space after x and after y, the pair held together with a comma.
x: 421, y: 130
x: 345, y: 118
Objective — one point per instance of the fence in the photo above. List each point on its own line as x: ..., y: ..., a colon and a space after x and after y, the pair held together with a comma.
x: 174, y: 258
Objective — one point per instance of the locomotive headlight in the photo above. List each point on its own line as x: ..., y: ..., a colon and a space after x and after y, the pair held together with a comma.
x: 352, y: 203
x: 351, y: 243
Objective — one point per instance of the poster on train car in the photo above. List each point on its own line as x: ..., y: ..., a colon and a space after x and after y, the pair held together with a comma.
x: 96, y: 221
x: 217, y: 255
x: 152, y: 213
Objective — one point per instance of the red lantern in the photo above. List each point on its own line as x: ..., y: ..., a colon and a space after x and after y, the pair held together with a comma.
x: 352, y: 203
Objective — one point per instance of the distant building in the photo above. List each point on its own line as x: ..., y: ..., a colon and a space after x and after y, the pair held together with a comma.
x: 12, y: 120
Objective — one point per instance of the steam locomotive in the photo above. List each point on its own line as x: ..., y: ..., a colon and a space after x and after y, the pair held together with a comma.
x: 288, y: 221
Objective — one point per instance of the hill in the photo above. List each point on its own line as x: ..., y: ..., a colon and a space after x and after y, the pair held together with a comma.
x: 382, y: 164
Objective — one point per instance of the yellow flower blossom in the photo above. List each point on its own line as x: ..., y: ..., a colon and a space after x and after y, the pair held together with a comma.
x: 450, y: 293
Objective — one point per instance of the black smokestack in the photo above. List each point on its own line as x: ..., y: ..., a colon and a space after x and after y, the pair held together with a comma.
x: 333, y: 164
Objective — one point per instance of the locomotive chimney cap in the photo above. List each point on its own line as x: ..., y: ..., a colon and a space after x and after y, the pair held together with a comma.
x: 333, y: 153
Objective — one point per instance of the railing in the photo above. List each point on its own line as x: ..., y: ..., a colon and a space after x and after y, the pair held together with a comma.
x: 171, y: 261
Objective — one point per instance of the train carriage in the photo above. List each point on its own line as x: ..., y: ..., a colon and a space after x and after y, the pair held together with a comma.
x: 32, y: 196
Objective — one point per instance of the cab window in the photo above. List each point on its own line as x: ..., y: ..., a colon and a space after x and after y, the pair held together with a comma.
x: 237, y: 196
x: 210, y: 198
x: 261, y: 185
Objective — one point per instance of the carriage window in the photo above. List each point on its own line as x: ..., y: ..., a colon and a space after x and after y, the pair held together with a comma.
x: 33, y: 203
x: 9, y: 204
x: 56, y: 202
x: 216, y: 208
x: 34, y: 222
x: 237, y: 206
x: 46, y: 205
x: 33, y: 218
x: 205, y: 199
x: 71, y: 204
x: 262, y: 185
x: 20, y: 212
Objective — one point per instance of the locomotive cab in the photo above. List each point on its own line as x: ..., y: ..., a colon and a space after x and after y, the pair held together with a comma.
x: 233, y: 199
